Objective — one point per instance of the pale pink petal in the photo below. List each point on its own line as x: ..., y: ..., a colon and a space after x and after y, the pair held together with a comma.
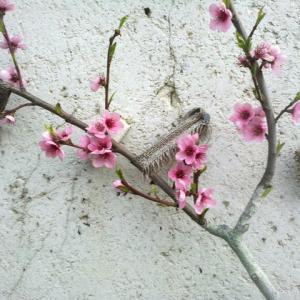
x: 296, y: 114
x: 215, y: 8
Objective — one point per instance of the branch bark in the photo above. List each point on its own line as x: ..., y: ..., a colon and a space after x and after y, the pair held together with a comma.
x: 221, y: 231
x: 266, y: 180
x: 231, y: 236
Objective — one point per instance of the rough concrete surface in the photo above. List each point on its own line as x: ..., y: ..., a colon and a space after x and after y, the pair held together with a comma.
x: 65, y: 234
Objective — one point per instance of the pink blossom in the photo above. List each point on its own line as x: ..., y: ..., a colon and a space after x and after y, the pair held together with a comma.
x: 100, y: 146
x: 262, y: 51
x: 271, y: 55
x: 107, y: 159
x: 296, y: 113
x: 8, y: 119
x: 6, y: 5
x: 117, y: 184
x: 243, y: 113
x: 10, y: 75
x: 221, y: 17
x: 15, y: 42
x: 84, y: 152
x: 180, y: 174
x: 200, y: 158
x: 204, y: 200
x: 259, y: 112
x: 187, y: 148
x: 255, y: 130
x: 112, y: 122
x: 279, y: 58
x: 181, y: 198
x: 120, y: 187
x: 96, y: 83
x: 97, y: 128
x: 243, y: 61
x: 65, y: 134
x: 51, y: 148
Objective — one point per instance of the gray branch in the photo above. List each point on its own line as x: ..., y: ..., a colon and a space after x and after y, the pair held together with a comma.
x: 231, y: 236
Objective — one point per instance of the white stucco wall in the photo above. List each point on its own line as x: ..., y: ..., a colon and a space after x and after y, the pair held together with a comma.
x: 133, y: 249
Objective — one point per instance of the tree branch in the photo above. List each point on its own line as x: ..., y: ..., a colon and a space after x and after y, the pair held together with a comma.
x: 119, y: 148
x: 266, y: 180
x: 255, y: 272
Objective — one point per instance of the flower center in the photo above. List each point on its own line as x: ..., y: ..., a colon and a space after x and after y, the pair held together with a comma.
x: 110, y: 123
x: 99, y: 127
x: 179, y: 174
x: 245, y: 115
x: 258, y: 130
x: 14, y: 78
x: 189, y: 151
x: 222, y: 16
x: 54, y: 147
x: 199, y: 155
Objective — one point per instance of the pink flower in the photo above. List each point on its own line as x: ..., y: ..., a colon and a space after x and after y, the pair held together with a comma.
x: 271, y: 55
x: 97, y: 128
x: 181, y: 198
x: 296, y: 113
x: 200, y: 158
x: 258, y: 112
x: 243, y: 61
x: 6, y: 5
x: 84, y: 143
x: 117, y: 184
x: 279, y: 58
x: 15, y: 42
x: 255, y: 130
x: 120, y: 187
x: 180, y: 174
x: 10, y: 75
x: 243, y: 113
x: 107, y: 159
x: 96, y: 83
x: 8, y: 119
x: 187, y: 148
x: 204, y: 200
x: 65, y: 134
x: 221, y: 17
x: 262, y: 51
x: 51, y: 148
x: 112, y: 122
x: 100, y: 146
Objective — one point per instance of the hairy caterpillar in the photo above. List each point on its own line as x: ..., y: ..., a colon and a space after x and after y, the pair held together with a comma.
x: 195, y: 121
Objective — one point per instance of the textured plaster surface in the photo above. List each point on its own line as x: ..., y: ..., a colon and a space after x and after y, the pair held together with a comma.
x: 65, y: 234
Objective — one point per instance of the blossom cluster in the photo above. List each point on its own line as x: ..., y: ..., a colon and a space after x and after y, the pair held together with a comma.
x: 52, y: 141
x: 96, y: 145
x: 250, y: 121
x: 269, y: 55
x: 190, y: 158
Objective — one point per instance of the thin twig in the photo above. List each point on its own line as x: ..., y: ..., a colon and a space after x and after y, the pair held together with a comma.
x: 12, y: 54
x: 286, y: 109
x: 108, y: 64
x: 12, y: 111
x: 196, y: 183
x: 148, y: 197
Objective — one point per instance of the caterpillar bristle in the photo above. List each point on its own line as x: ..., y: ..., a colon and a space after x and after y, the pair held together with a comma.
x: 195, y: 121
